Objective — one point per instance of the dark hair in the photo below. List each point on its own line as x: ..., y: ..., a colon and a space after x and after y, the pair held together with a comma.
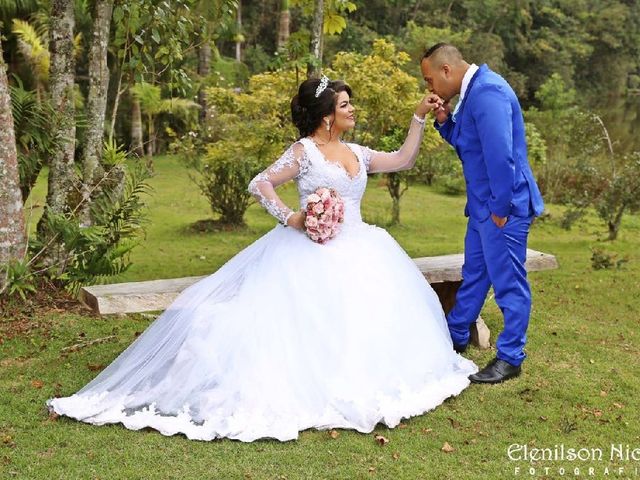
x: 447, y: 49
x: 307, y: 110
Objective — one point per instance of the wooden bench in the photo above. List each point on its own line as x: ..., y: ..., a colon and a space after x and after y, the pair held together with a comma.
x: 444, y: 273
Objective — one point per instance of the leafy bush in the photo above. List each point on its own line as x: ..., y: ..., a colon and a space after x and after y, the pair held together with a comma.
x: 94, y: 253
x: 582, y: 169
x: 223, y: 179
x: 385, y: 97
x: 18, y: 279
x: 32, y: 120
x: 601, y: 260
x: 246, y: 131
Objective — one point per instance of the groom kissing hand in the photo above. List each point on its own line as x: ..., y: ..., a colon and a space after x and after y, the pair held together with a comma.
x: 487, y: 130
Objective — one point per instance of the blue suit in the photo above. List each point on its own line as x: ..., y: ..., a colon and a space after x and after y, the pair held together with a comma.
x: 489, y: 136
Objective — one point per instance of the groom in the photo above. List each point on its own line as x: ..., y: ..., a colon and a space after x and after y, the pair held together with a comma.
x: 487, y: 130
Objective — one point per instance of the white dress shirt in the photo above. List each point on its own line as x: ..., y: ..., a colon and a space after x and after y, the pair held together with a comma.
x: 473, y: 68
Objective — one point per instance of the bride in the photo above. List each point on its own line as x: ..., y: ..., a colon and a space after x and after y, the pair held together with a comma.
x: 291, y: 334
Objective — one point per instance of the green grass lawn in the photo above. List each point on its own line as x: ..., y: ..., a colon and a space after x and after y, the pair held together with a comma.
x: 580, y: 385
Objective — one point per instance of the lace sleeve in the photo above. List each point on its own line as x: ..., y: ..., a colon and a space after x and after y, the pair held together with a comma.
x: 289, y: 166
x: 402, y: 159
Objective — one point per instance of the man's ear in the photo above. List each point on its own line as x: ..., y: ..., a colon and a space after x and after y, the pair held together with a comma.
x: 446, y: 68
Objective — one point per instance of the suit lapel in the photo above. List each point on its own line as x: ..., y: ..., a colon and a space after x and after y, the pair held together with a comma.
x: 467, y: 94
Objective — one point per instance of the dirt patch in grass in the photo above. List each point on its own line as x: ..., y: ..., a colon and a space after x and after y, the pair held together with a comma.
x: 211, y: 225
x: 21, y: 317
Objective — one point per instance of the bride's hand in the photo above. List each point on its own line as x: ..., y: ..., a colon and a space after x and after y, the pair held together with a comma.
x: 429, y: 103
x: 297, y: 220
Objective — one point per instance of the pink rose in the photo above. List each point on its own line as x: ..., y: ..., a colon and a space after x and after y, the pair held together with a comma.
x: 325, y: 194
x: 311, y: 222
x: 313, y: 198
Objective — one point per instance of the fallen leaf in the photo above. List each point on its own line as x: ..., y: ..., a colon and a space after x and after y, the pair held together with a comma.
x: 334, y: 434
x: 446, y: 448
x: 372, y: 469
x: 597, y: 412
x: 395, y: 455
x: 618, y: 405
x: 427, y: 430
x: 543, y: 418
x: 603, y: 393
x: 454, y: 423
x: 47, y: 453
x: 95, y: 367
x: 381, y: 440
x: 37, y: 383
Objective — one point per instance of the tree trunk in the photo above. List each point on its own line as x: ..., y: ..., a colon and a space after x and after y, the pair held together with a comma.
x: 239, y: 28
x: 204, y: 68
x: 96, y: 104
x: 62, y: 173
x: 394, y: 184
x: 137, y: 141
x: 614, y: 224
x: 315, y: 66
x: 151, y: 139
x: 284, y: 27
x: 12, y: 233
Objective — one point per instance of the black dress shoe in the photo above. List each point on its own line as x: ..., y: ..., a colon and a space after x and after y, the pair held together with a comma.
x: 460, y: 348
x: 496, y: 371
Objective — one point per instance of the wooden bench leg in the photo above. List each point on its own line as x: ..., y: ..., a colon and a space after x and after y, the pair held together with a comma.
x: 480, y: 334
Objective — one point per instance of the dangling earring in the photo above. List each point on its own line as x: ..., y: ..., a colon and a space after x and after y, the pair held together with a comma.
x: 328, y: 124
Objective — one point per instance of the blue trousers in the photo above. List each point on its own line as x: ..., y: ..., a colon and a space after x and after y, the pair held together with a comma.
x: 495, y: 256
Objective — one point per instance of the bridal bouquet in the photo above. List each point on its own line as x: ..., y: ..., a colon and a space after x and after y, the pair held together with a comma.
x: 325, y: 213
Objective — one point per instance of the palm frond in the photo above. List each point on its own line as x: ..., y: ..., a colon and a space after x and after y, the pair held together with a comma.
x: 149, y: 96
x: 180, y: 106
x: 33, y: 48
x: 13, y: 8
x: 77, y: 45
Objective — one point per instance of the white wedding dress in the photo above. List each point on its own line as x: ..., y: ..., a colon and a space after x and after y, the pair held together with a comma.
x: 290, y: 334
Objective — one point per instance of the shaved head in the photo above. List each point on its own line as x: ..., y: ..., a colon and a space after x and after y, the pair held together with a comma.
x: 443, y: 69
x: 442, y: 53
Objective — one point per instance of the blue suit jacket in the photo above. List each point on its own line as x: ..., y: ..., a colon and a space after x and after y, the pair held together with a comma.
x: 489, y: 137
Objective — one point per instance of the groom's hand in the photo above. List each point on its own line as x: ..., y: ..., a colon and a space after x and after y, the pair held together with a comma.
x: 442, y: 113
x: 499, y: 221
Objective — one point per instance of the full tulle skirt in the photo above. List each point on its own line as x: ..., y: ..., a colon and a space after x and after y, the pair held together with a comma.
x: 287, y: 335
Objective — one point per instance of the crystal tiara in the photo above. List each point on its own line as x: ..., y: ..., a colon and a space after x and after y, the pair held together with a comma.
x: 324, y: 82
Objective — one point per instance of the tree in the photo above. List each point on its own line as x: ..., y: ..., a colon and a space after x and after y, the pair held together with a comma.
x: 315, y: 64
x: 12, y: 233
x: 155, y: 42
x: 96, y: 104
x: 239, y: 39
x: 386, y: 98
x: 212, y: 16
x: 152, y: 104
x: 62, y: 173
x: 621, y: 192
x: 253, y: 126
x: 284, y: 24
